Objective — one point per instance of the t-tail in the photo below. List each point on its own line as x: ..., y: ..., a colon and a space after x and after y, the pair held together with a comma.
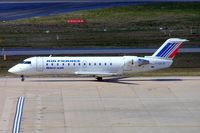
x: 169, y: 49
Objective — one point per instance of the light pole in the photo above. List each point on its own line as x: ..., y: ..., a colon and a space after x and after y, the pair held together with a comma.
x: 4, y: 54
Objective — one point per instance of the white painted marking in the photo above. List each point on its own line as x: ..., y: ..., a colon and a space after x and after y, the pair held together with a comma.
x: 18, y: 115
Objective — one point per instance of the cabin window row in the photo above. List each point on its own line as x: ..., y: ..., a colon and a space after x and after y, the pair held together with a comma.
x: 79, y: 64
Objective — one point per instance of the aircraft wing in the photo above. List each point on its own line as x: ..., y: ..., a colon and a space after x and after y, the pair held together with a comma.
x: 96, y: 73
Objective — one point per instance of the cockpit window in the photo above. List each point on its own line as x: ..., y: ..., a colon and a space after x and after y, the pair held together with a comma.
x: 26, y: 62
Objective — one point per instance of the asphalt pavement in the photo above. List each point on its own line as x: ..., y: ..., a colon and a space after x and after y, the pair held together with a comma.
x: 83, y: 105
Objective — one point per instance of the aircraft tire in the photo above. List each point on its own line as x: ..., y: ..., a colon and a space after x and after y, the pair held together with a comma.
x: 22, y: 78
x: 99, y: 78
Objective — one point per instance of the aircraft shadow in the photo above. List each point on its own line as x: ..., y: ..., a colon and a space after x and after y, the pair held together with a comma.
x: 111, y: 80
x: 164, y: 79
x: 117, y: 80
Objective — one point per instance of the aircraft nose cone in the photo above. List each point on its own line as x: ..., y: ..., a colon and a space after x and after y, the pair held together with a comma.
x: 15, y: 70
x: 11, y: 70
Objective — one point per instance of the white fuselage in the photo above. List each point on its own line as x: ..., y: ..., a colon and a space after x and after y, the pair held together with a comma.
x: 93, y: 66
x: 100, y: 66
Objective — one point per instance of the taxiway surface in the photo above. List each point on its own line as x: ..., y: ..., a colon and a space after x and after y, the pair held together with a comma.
x: 83, y: 105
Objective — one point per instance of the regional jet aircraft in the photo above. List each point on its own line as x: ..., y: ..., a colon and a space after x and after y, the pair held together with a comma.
x: 99, y: 67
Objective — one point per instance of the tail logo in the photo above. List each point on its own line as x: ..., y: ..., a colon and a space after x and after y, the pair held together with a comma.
x: 169, y: 50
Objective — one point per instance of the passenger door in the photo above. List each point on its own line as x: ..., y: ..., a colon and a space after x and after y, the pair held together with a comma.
x: 39, y: 64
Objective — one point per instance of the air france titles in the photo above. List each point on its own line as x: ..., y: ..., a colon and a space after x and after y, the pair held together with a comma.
x: 56, y: 64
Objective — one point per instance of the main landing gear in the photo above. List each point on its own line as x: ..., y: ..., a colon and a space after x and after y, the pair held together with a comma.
x: 22, y: 78
x: 99, y: 78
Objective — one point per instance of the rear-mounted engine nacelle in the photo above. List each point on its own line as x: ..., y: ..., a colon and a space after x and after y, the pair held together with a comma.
x: 141, y: 62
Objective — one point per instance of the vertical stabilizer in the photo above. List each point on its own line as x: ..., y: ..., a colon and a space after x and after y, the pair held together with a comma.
x: 169, y: 49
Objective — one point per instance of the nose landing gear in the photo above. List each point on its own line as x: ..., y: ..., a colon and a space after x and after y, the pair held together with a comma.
x: 22, y: 78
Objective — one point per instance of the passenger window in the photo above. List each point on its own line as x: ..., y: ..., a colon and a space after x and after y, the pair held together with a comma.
x: 68, y: 64
x: 74, y: 64
x: 99, y: 64
x: 47, y: 64
x: 79, y: 64
x: 57, y: 64
x: 111, y: 64
x: 105, y: 64
x: 89, y: 64
x: 63, y: 64
x: 95, y: 64
x: 84, y: 64
x: 52, y: 64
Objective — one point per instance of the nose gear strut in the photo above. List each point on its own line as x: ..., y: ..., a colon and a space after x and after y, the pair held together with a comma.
x: 22, y: 78
x: 99, y: 78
